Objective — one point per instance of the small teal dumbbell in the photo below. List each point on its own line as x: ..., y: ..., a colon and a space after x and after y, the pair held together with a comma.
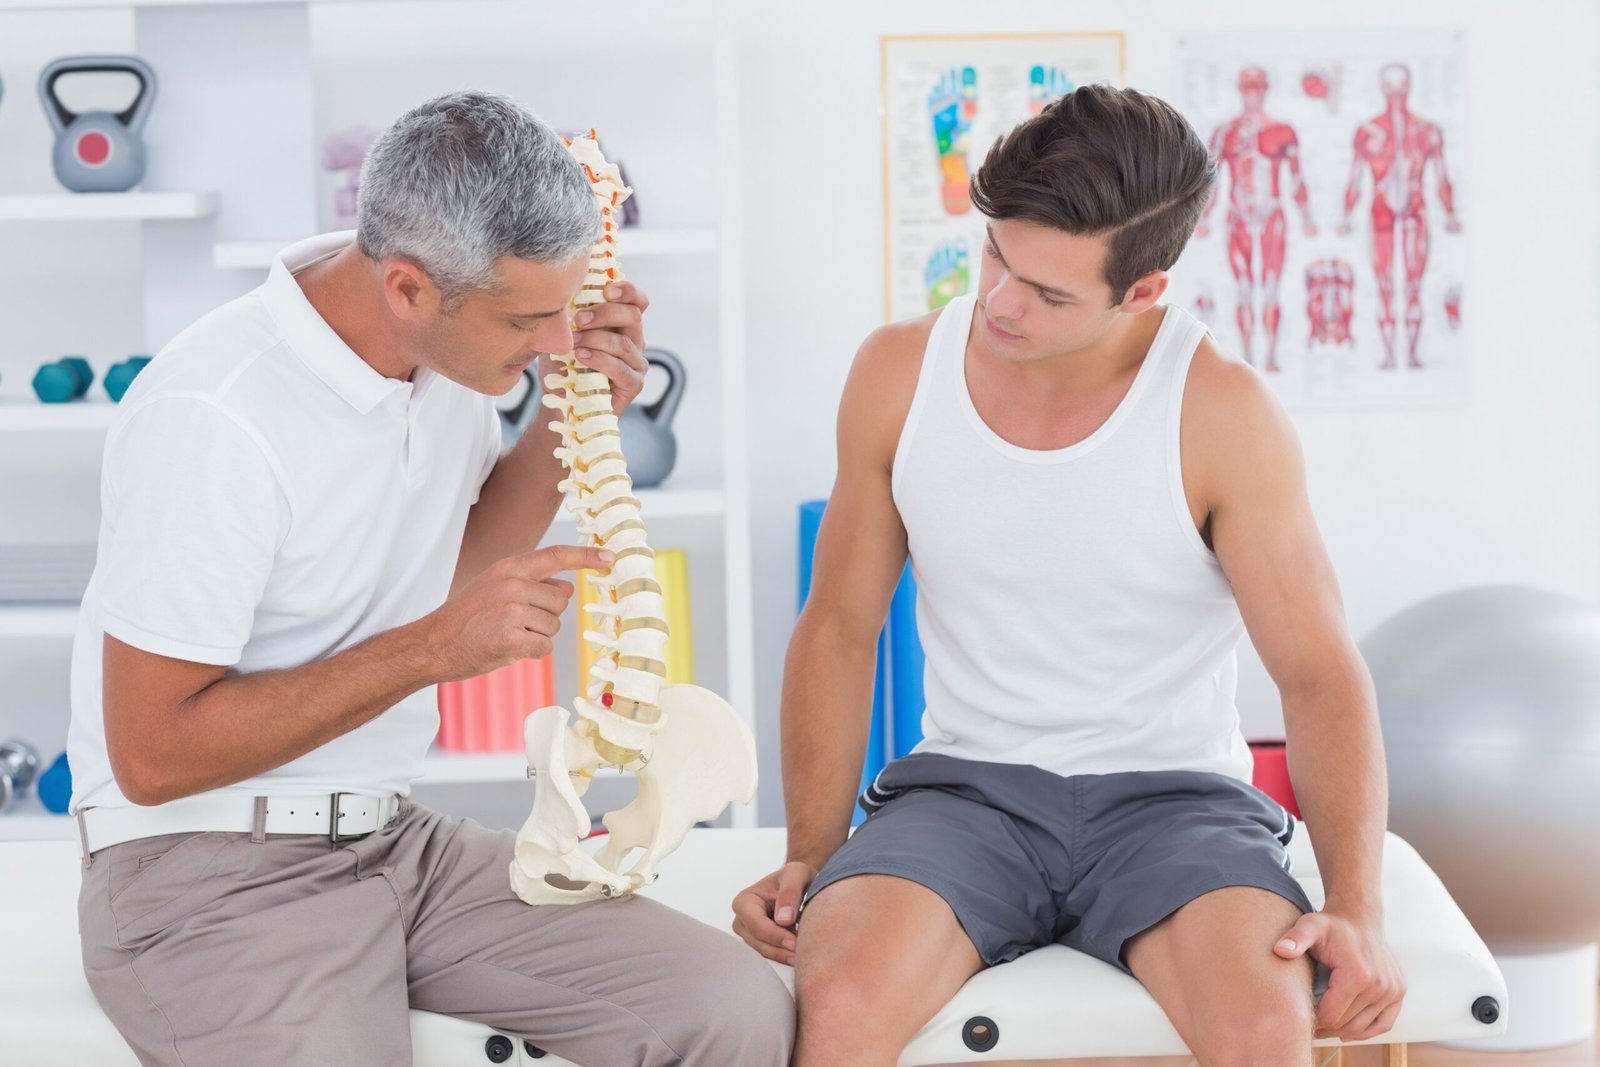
x: 66, y: 379
x: 120, y: 376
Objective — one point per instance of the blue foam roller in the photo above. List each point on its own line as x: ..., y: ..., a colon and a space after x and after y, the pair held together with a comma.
x: 55, y: 786
x: 810, y: 523
x: 906, y: 700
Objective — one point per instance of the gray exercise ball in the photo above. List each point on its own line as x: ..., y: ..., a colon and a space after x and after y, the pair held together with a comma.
x: 1490, y: 704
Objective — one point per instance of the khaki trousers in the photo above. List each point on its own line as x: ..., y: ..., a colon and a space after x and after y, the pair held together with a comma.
x: 211, y: 949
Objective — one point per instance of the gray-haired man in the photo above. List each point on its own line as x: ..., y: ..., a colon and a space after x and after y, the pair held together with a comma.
x: 306, y: 521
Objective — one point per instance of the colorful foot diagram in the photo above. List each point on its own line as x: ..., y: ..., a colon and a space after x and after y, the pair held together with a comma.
x: 952, y: 105
x: 947, y: 275
x: 1046, y: 85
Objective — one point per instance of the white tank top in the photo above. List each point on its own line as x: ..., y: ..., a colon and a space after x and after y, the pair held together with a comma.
x: 1072, y: 616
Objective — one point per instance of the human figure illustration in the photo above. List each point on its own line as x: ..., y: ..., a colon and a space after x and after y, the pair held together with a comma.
x: 1396, y: 147
x: 1330, y: 289
x: 1253, y: 149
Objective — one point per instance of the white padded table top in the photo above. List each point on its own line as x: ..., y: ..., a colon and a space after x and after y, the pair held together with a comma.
x: 1053, y: 1003
x: 1057, y: 1003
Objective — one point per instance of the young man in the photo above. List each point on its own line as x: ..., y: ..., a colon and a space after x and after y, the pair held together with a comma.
x: 1091, y: 495
x: 307, y: 521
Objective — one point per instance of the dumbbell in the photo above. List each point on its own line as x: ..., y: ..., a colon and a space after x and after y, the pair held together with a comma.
x: 19, y: 766
x: 121, y: 375
x: 66, y: 379
x: 54, y: 787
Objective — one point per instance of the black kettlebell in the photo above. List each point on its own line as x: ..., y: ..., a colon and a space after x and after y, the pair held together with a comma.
x: 646, y: 430
x: 98, y: 151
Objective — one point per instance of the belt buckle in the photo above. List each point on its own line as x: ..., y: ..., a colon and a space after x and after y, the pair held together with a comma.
x: 334, y: 837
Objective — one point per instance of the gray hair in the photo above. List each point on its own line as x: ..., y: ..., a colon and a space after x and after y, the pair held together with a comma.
x: 465, y: 179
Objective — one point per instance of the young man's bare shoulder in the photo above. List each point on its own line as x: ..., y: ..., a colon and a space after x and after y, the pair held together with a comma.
x: 1221, y: 380
x: 892, y: 353
x: 883, y: 381
x: 1229, y: 410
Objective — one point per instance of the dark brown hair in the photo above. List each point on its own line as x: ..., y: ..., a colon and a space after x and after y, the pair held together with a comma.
x: 1104, y: 161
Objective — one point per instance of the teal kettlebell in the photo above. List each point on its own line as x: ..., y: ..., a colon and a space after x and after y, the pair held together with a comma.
x: 646, y: 430
x: 98, y: 151
x: 120, y: 376
x: 66, y: 379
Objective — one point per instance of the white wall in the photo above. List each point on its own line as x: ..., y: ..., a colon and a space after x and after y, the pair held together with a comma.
x: 1411, y: 502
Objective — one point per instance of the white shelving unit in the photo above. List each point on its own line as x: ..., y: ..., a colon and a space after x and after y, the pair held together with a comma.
x: 456, y: 768
x: 28, y: 820
x: 89, y: 5
x: 99, y: 207
x: 258, y: 255
x: 236, y: 118
x: 26, y: 413
x: 453, y: 768
x: 38, y: 620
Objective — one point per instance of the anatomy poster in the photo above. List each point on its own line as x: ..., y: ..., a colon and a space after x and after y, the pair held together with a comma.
x: 1333, y: 253
x: 946, y: 100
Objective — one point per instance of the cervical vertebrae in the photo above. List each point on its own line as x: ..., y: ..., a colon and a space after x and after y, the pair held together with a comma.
x: 692, y: 752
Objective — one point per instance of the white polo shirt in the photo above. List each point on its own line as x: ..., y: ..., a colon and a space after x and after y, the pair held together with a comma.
x: 268, y: 499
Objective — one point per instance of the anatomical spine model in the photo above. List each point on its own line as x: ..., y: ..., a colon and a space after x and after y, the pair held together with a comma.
x: 691, y: 751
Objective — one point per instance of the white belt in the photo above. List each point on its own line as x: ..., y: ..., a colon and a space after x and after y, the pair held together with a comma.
x: 336, y: 816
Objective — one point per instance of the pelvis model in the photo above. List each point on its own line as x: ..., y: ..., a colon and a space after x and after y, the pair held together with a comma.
x: 691, y: 751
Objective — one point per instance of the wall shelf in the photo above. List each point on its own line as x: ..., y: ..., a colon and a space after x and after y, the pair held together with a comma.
x: 38, y: 620
x: 258, y: 255
x: 90, y: 5
x: 91, y: 207
x: 26, y: 413
x: 685, y: 500
x: 447, y: 768
x: 29, y: 820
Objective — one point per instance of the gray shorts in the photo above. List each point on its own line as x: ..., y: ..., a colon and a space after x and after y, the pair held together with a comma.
x: 1027, y: 858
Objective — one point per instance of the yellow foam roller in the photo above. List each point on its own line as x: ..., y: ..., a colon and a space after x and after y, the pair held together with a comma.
x: 672, y: 572
x: 586, y: 595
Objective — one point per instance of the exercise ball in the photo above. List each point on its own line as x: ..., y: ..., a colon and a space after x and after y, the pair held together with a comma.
x: 1489, y: 700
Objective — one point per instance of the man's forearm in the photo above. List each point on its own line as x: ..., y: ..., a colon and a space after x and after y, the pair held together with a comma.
x: 515, y: 506
x: 827, y: 697
x: 290, y: 712
x: 1336, y: 761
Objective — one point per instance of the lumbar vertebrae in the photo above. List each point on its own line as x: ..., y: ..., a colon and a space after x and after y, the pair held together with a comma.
x: 692, y: 752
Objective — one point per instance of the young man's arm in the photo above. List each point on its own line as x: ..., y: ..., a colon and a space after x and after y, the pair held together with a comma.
x: 828, y: 673
x: 1245, y: 461
x: 176, y: 727
x: 520, y: 498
